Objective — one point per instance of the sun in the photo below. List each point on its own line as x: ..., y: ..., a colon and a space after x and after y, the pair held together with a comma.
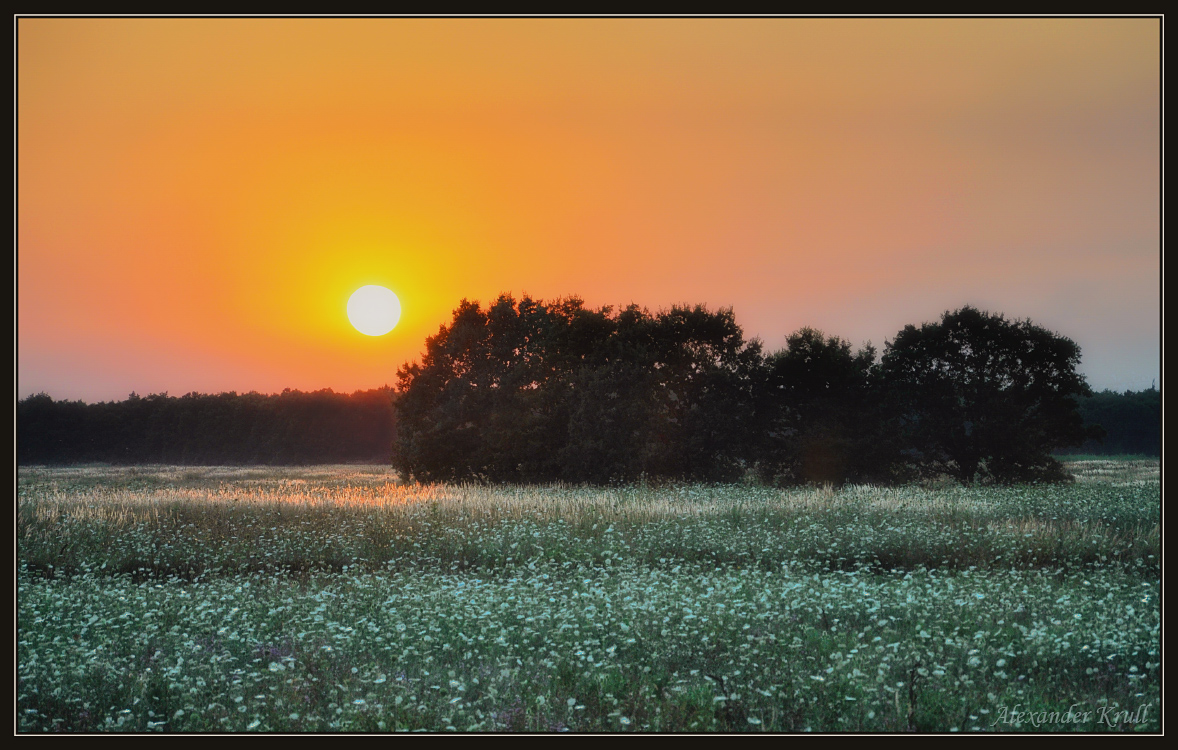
x: 374, y: 310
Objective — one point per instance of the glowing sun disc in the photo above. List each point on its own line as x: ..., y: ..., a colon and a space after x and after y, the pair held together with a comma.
x: 374, y: 310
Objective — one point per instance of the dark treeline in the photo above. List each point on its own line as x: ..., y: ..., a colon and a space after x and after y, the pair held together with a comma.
x: 532, y: 391
x: 289, y: 428
x: 1131, y: 420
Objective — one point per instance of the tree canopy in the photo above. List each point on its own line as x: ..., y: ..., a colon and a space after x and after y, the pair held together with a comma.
x: 533, y: 391
x: 816, y: 393
x: 978, y: 392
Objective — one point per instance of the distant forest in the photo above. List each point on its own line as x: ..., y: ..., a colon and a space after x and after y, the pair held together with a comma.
x: 1131, y: 420
x: 327, y: 427
x: 822, y: 420
x: 228, y: 428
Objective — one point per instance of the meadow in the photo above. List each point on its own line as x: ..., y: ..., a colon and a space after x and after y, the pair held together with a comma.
x: 324, y: 599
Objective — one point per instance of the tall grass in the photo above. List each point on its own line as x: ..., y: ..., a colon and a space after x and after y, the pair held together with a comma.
x: 338, y: 598
x: 187, y: 523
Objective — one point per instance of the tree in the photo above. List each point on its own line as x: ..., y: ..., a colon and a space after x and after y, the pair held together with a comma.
x: 533, y: 391
x: 822, y: 414
x: 977, y: 393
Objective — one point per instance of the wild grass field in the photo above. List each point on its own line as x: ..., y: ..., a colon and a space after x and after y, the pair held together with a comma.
x: 338, y: 599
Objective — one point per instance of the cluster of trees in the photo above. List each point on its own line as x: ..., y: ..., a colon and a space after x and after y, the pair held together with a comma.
x: 1131, y: 420
x: 529, y: 391
x: 533, y: 391
x: 289, y: 428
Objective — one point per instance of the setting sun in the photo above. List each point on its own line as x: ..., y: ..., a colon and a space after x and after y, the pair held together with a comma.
x: 374, y: 310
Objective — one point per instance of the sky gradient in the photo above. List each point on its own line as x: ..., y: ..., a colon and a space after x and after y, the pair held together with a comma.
x: 197, y: 198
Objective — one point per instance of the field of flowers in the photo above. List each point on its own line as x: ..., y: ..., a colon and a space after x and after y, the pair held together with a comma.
x: 337, y: 599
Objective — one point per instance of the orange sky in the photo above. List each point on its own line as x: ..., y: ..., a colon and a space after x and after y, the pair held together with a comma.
x: 199, y: 197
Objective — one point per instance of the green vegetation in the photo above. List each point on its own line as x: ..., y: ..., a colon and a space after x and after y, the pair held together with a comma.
x: 336, y: 598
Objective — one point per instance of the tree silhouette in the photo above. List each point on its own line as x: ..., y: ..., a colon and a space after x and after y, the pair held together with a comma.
x: 226, y: 428
x: 534, y: 391
x: 978, y: 392
x: 1131, y: 420
x: 820, y: 395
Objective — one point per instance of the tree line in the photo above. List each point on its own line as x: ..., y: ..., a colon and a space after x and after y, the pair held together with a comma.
x: 293, y: 427
x: 532, y: 391
x: 1132, y: 422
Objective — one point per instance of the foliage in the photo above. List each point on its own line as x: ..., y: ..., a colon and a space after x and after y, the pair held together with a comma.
x: 822, y: 412
x: 228, y: 428
x: 980, y: 393
x: 532, y: 391
x: 536, y: 392
x: 1132, y: 422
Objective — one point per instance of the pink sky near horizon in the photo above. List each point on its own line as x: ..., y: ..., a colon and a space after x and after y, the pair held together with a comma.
x: 198, y: 197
